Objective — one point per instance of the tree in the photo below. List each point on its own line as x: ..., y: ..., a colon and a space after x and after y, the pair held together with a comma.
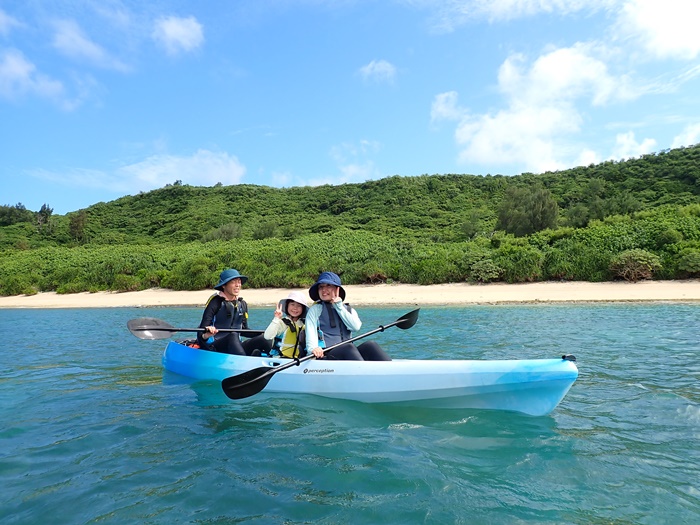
x: 76, y: 226
x: 526, y: 210
x: 14, y: 214
x: 43, y: 216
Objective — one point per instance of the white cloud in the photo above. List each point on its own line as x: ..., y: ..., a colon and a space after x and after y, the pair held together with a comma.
x: 446, y: 107
x: 546, y: 103
x: 586, y: 158
x: 378, y: 71
x: 688, y: 137
x: 563, y: 74
x: 665, y: 29
x: 522, y: 136
x: 357, y: 172
x: 349, y: 153
x: 353, y: 163
x: 80, y: 178
x: 626, y: 146
x: 70, y: 40
x: 7, y: 23
x: 204, y: 168
x: 19, y: 77
x: 282, y: 178
x: 177, y: 34
x: 542, y: 109
x: 450, y: 14
x: 510, y: 9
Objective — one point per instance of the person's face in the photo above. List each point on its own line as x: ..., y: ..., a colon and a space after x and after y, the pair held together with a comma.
x: 294, y: 309
x: 233, y: 287
x: 327, y: 292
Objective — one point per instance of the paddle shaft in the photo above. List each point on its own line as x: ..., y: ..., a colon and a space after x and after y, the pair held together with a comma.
x: 241, y: 331
x: 253, y: 381
x: 152, y: 328
x: 312, y: 356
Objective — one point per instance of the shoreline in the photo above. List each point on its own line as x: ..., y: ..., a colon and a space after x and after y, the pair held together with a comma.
x: 453, y: 294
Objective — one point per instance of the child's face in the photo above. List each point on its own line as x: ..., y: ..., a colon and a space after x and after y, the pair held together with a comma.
x: 294, y: 309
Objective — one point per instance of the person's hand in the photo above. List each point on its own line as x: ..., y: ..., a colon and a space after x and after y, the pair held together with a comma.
x: 318, y: 352
x: 336, y: 295
x: 211, y: 330
x: 278, y: 311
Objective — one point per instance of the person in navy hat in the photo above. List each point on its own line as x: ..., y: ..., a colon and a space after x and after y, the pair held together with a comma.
x: 329, y: 321
x: 226, y: 309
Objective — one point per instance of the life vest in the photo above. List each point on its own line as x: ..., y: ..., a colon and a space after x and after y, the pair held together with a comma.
x: 288, y: 343
x: 332, y: 329
x: 231, y: 314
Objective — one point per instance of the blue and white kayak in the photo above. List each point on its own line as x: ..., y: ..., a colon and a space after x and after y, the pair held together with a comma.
x: 530, y: 386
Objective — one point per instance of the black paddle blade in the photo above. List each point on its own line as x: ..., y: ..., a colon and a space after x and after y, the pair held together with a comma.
x: 150, y: 328
x: 406, y: 321
x: 246, y: 384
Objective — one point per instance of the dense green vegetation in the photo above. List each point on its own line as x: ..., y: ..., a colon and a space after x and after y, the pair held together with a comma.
x: 636, y: 219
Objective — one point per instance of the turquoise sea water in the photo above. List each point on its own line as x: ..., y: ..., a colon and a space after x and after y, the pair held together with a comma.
x: 93, y: 431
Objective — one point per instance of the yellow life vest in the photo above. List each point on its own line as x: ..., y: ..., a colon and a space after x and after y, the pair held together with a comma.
x: 288, y: 342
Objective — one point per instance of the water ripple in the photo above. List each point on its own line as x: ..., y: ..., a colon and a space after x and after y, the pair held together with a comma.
x: 97, y: 433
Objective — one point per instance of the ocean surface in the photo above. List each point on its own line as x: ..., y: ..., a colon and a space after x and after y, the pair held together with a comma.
x: 93, y: 431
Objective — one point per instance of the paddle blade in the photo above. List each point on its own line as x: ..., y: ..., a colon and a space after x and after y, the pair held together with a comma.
x: 150, y: 328
x: 247, y: 384
x: 406, y: 321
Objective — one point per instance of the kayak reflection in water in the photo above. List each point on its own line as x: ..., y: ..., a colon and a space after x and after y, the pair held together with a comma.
x: 329, y: 321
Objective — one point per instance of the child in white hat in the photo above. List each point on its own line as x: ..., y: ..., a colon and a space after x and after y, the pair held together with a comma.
x: 287, y: 325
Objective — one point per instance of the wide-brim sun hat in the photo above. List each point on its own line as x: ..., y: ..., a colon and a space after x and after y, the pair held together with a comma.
x: 229, y: 275
x: 326, y: 278
x: 297, y: 297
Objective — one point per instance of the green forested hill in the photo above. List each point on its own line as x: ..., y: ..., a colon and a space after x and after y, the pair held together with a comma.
x: 434, y: 228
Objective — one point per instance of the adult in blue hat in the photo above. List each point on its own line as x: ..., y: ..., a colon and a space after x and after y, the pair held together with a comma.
x: 329, y: 322
x: 326, y: 278
x: 226, y: 309
x: 229, y: 275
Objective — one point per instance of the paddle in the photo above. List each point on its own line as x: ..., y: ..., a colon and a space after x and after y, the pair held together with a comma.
x: 152, y: 328
x: 253, y: 381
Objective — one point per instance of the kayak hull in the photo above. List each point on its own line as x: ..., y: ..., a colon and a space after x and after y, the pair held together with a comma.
x: 530, y: 386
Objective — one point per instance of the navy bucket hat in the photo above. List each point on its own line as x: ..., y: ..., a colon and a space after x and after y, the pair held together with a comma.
x: 228, y: 275
x: 326, y: 278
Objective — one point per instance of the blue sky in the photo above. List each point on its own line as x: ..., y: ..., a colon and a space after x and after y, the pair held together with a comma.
x: 105, y: 98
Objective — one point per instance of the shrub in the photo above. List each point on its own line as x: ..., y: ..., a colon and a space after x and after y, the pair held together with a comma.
x: 520, y: 263
x: 635, y: 265
x: 126, y: 283
x: 192, y: 274
x: 689, y: 261
x: 668, y: 236
x: 264, y: 230
x: 17, y: 285
x: 226, y: 232
x: 485, y: 271
x: 558, y: 265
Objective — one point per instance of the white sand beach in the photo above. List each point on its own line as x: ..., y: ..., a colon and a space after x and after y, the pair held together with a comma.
x: 390, y: 294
